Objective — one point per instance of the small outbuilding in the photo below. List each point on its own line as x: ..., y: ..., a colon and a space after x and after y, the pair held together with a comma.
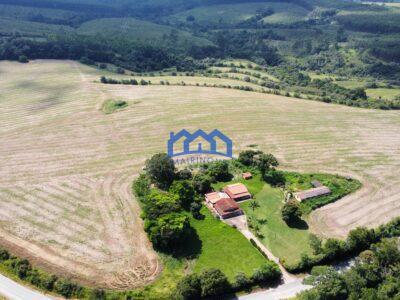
x: 237, y: 191
x: 247, y: 175
x: 227, y: 208
x: 311, y: 193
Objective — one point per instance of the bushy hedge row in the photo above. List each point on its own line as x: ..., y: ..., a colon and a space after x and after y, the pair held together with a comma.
x: 214, y: 283
x: 106, y: 80
x: 51, y: 283
x: 358, y: 240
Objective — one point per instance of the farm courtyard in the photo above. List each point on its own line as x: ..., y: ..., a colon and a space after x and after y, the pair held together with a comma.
x: 67, y: 168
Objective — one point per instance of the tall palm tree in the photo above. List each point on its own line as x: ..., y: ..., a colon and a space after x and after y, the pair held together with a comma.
x: 253, y: 205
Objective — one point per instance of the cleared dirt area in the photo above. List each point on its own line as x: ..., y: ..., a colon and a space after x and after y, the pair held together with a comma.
x: 66, y: 168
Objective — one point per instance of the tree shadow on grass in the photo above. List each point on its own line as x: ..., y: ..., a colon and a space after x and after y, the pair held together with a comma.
x: 298, y: 224
x: 190, y: 248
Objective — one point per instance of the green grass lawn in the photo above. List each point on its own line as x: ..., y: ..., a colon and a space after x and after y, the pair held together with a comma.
x: 222, y: 247
x: 225, y: 248
x: 285, y: 242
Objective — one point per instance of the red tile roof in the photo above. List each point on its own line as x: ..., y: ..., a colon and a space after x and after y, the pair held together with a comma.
x: 237, y: 191
x: 226, y: 206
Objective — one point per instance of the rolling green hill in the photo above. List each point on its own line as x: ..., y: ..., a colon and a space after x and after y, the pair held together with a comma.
x: 10, y: 26
x: 142, y: 31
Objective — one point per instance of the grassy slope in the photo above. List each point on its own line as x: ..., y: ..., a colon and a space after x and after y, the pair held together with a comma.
x: 137, y: 30
x: 224, y: 247
x: 285, y: 242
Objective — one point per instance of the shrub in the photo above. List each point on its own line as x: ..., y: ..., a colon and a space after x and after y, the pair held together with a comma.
x: 47, y: 281
x: 241, y: 281
x: 4, y: 255
x: 214, y: 283
x: 267, y: 272
x: 274, y: 178
x: 195, y: 208
x: 97, y: 294
x: 219, y: 171
x: 184, y: 190
x: 21, y: 267
x: 333, y: 248
x: 184, y: 174
x: 316, y: 244
x: 23, y: 59
x: 141, y: 186
x: 247, y: 157
x: 189, y: 288
x: 360, y: 238
x: 291, y: 211
x: 66, y: 288
x: 202, y: 183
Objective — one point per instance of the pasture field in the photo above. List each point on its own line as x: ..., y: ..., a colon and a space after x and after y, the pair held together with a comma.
x: 67, y: 168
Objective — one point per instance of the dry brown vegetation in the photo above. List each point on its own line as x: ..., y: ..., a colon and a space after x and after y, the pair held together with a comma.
x: 66, y: 168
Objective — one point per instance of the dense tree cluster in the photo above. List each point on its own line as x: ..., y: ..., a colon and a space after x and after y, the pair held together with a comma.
x: 332, y: 249
x: 375, y: 275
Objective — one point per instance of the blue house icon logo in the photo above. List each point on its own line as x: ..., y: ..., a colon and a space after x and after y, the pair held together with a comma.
x: 199, y: 142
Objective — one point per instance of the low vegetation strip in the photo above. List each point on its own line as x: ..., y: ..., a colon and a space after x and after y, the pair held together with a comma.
x: 110, y: 106
x: 291, y: 82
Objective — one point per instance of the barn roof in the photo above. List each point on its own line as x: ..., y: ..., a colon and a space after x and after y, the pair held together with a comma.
x: 237, y: 188
x: 311, y: 193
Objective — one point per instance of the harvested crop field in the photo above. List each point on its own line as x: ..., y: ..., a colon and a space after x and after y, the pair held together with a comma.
x: 66, y: 167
